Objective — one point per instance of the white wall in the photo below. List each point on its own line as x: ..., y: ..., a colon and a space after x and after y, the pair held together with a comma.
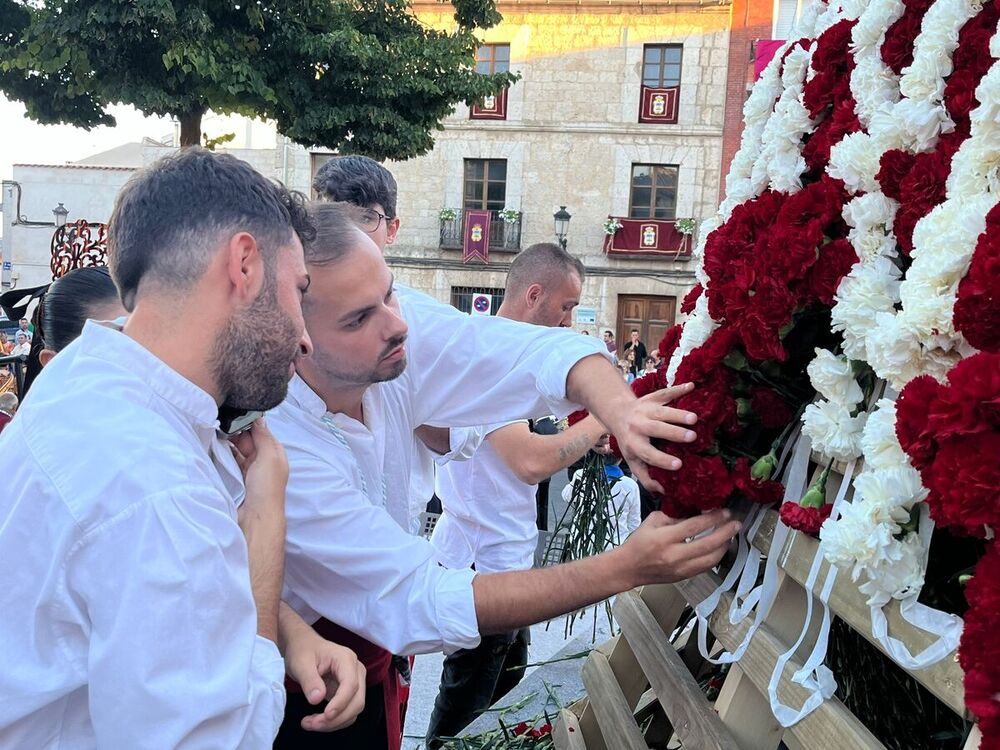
x: 86, y: 192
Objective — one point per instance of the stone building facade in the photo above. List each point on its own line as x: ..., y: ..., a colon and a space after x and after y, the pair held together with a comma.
x: 572, y: 137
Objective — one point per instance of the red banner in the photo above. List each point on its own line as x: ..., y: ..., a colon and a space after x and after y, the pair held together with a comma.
x: 648, y: 237
x: 764, y: 53
x: 476, y: 235
x: 658, y: 105
x: 491, y: 108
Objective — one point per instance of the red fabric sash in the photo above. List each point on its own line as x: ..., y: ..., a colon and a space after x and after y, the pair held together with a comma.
x: 378, y: 663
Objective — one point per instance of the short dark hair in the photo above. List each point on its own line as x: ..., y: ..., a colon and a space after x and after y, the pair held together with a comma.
x: 634, y: 330
x: 358, y: 180
x: 541, y: 262
x: 69, y: 302
x: 336, y: 224
x: 610, y: 333
x: 170, y: 216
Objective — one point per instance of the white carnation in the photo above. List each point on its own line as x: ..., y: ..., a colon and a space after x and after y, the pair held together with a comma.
x: 899, y: 574
x: 878, y: 440
x: 889, y: 494
x: 833, y: 377
x: 852, y: 541
x: 833, y: 431
x: 892, y: 350
x: 870, y: 210
x: 920, y: 122
x: 855, y: 160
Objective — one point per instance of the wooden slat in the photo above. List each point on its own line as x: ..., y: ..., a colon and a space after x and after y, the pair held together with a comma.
x: 694, y: 721
x: 831, y: 725
x: 589, y: 727
x: 614, y: 716
x: 631, y: 681
x: 566, y: 733
x: 747, y: 713
x: 943, y: 679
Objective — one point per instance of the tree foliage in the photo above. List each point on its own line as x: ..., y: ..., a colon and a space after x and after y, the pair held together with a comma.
x: 361, y: 76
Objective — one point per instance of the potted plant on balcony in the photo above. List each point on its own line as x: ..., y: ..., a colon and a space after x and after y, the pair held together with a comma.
x: 686, y: 229
x: 509, y: 217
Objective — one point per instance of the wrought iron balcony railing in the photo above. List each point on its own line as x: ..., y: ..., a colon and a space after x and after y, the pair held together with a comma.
x: 504, y: 236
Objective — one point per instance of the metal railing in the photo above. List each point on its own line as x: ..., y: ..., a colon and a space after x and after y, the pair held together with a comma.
x: 504, y: 236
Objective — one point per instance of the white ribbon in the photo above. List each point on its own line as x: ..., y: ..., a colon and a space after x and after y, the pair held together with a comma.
x: 947, y: 628
x: 760, y: 599
x: 814, y: 675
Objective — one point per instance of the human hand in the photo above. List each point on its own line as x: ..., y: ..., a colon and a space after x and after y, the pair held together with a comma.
x: 663, y: 550
x: 603, y: 444
x: 650, y: 418
x: 326, y: 670
x: 264, y: 464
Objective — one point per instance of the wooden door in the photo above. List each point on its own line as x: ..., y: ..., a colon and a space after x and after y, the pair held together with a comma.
x: 649, y: 314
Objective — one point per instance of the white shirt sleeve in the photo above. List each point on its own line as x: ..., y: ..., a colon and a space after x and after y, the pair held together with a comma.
x: 631, y: 500
x: 174, y: 658
x: 349, y: 562
x: 567, y: 490
x: 464, y: 442
x: 475, y: 369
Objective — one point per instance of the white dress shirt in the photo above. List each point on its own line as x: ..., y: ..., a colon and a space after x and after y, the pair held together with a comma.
x: 128, y: 619
x: 460, y: 366
x: 349, y: 555
x: 490, y: 516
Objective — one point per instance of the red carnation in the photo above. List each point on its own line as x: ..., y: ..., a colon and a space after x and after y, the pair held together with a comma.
x: 911, y: 418
x: 763, y: 491
x: 964, y: 482
x: 897, y: 49
x: 806, y: 520
x: 977, y: 307
x: 923, y: 188
x: 835, y: 261
x: 979, y: 649
x: 670, y: 341
x: 691, y: 298
x: 702, y: 483
x: 960, y: 94
x: 893, y: 168
x: 842, y: 121
x: 705, y: 358
x: 715, y: 406
x: 649, y: 383
x: 771, y: 410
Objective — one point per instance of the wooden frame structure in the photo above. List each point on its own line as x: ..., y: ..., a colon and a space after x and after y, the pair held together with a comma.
x: 639, y: 674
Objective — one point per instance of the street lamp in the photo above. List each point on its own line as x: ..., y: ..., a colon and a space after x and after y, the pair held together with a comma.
x: 60, y: 213
x: 562, y: 218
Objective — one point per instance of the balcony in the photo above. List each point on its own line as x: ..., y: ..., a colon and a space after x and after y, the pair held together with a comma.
x: 505, y: 237
x: 650, y: 237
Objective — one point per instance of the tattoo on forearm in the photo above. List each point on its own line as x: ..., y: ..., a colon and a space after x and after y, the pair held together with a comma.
x: 575, y: 447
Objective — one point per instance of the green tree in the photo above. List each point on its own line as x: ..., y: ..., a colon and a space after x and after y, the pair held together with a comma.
x: 361, y: 76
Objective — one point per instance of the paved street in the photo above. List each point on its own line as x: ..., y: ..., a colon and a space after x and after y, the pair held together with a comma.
x: 562, y: 678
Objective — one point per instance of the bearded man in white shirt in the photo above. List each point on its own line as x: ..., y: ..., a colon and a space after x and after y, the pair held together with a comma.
x: 346, y: 425
x: 145, y: 555
x: 489, y: 511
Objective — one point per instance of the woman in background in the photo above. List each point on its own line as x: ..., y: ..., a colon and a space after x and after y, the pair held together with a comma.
x: 81, y: 295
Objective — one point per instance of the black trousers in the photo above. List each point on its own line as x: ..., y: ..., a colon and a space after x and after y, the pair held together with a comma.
x: 472, y: 680
x: 367, y: 733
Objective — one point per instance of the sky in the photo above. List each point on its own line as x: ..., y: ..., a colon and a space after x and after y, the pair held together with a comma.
x: 24, y: 141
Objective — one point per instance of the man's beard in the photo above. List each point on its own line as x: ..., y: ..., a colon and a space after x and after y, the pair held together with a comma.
x: 331, y: 365
x: 254, y: 352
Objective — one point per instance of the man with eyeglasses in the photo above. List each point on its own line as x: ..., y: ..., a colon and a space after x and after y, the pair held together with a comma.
x: 366, y: 184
